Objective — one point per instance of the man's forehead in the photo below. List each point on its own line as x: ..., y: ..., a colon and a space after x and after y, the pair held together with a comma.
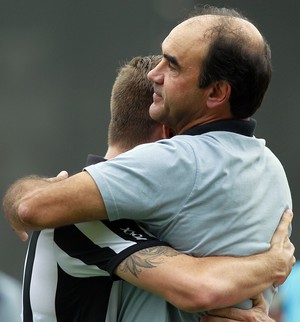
x: 191, y: 29
x: 201, y: 23
x: 200, y: 29
x: 184, y: 38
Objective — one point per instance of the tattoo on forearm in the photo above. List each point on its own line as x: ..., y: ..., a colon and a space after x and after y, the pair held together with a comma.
x: 146, y: 258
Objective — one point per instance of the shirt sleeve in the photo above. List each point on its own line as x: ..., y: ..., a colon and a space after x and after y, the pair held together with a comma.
x: 100, y: 246
x: 147, y: 182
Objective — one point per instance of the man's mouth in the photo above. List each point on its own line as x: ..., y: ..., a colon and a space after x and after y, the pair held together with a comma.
x: 157, y: 97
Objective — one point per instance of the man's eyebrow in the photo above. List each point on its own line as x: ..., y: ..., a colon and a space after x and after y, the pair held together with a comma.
x: 171, y: 59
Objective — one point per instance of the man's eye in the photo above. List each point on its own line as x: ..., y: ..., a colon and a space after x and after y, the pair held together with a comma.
x: 171, y: 66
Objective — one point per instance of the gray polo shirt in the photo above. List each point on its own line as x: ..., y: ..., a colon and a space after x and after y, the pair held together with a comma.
x: 216, y: 191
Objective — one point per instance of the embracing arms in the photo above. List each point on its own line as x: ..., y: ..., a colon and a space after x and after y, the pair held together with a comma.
x: 197, y: 284
x: 34, y: 203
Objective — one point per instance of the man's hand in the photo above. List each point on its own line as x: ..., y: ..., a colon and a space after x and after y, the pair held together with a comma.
x: 256, y: 314
x: 17, y: 192
x: 61, y: 176
x: 282, y: 250
x: 280, y: 257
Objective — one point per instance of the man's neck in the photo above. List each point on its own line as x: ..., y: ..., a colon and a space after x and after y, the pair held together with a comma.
x: 113, y: 151
x: 210, y: 115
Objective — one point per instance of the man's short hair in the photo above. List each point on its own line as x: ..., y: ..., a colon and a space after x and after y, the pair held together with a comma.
x: 131, y: 97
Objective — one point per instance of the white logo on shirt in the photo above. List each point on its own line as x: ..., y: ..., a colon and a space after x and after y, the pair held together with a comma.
x: 132, y: 233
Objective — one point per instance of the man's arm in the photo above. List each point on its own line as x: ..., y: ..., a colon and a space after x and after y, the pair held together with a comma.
x: 197, y: 284
x: 34, y: 203
x: 258, y: 313
x: 37, y: 203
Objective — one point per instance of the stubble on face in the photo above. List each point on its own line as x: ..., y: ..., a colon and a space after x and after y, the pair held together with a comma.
x: 176, y: 98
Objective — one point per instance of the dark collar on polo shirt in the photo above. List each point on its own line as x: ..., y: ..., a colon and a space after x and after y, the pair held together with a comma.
x: 93, y: 159
x: 242, y: 127
x: 236, y: 126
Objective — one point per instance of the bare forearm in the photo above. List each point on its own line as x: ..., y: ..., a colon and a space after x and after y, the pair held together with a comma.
x: 14, y: 196
x: 73, y: 200
x: 46, y: 204
x: 21, y: 188
x: 195, y: 284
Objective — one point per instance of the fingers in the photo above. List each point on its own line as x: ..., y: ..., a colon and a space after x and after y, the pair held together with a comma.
x: 283, y: 226
x: 21, y: 234
x: 259, y: 302
x: 226, y: 314
x: 61, y: 176
x: 216, y: 319
x: 283, y: 248
x: 257, y: 313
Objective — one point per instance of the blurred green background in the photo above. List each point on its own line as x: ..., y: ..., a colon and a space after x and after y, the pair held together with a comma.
x: 58, y: 61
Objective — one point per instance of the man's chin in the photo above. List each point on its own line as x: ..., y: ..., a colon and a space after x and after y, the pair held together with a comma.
x: 155, y: 111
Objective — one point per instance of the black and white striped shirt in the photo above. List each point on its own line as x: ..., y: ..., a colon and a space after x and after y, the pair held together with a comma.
x: 68, y: 276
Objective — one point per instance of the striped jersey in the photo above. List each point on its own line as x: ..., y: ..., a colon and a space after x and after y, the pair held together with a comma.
x: 68, y: 275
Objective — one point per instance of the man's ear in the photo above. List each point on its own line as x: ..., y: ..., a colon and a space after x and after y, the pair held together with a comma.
x: 219, y: 93
x: 167, y: 132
